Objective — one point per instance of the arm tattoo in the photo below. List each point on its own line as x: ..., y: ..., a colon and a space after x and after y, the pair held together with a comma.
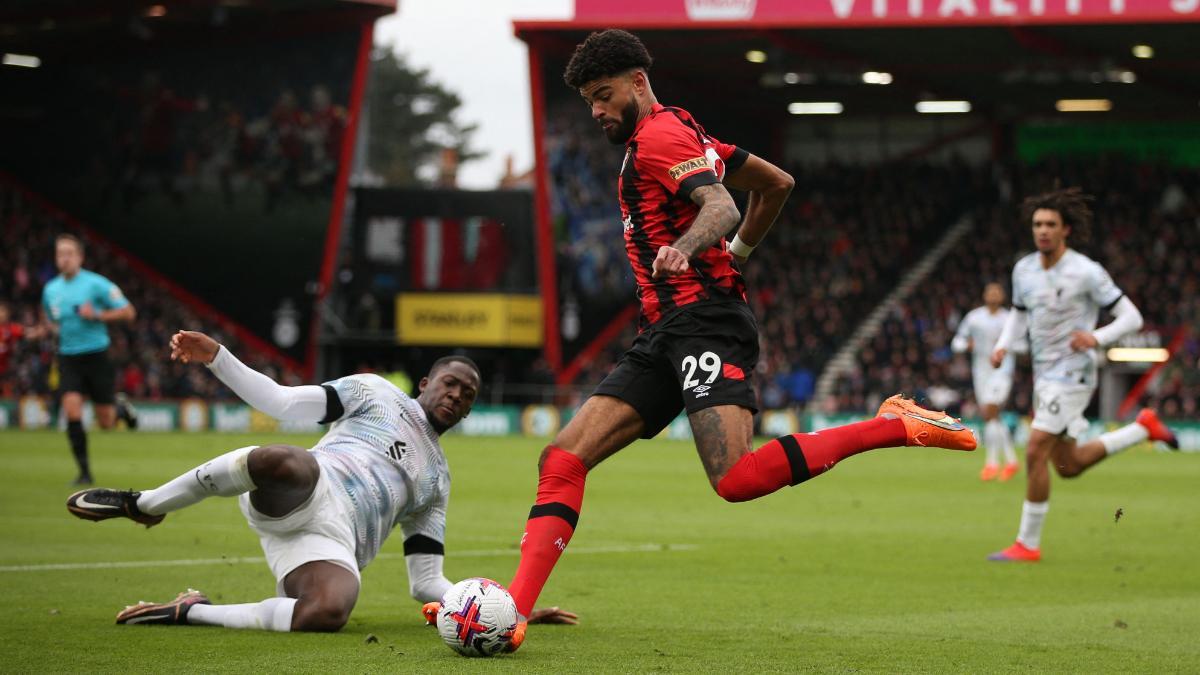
x: 718, y: 215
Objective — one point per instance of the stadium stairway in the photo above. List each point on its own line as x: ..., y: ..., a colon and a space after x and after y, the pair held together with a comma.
x: 846, y: 357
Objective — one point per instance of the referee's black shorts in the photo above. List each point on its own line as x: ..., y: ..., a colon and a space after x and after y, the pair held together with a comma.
x: 701, y: 357
x: 91, y: 374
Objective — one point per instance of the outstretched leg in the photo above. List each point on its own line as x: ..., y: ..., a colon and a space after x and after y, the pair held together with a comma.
x: 279, y: 478
x: 723, y: 440
x: 1070, y: 459
x: 602, y: 426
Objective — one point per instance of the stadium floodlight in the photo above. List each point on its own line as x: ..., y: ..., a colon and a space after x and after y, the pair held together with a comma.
x: 22, y: 60
x: 815, y: 108
x: 1138, y: 354
x: 941, y: 107
x: 756, y: 56
x: 155, y: 11
x: 1083, y: 105
x: 876, y: 77
x: 1143, y: 51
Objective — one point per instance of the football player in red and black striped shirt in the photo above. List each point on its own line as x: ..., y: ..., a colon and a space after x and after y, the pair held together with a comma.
x: 698, y: 342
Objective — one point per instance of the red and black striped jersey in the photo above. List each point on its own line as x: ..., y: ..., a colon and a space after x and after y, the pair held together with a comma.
x: 668, y: 156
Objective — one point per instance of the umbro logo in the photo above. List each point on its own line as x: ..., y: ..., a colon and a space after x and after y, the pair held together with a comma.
x: 701, y: 389
x: 947, y: 422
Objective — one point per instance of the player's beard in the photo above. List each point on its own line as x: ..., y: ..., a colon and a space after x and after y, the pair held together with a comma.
x: 621, y: 132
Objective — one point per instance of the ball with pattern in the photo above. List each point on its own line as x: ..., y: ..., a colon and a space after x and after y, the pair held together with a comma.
x: 477, y: 618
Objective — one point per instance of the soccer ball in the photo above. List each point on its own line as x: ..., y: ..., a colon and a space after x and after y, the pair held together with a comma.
x: 477, y: 618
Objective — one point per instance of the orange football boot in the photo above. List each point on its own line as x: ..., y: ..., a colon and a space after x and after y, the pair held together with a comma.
x: 1009, y: 471
x: 1018, y: 552
x: 989, y: 472
x: 430, y: 611
x: 1158, y: 431
x: 929, y: 428
x: 517, y: 638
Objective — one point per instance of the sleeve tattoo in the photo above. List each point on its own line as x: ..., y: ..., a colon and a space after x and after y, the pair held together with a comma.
x: 718, y: 215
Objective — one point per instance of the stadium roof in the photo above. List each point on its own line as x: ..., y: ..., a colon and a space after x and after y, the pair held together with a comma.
x: 47, y: 28
x: 1004, y: 71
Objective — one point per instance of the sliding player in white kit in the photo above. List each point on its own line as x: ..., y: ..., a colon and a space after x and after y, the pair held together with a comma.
x: 321, y: 514
x: 1059, y: 293
x: 978, y: 332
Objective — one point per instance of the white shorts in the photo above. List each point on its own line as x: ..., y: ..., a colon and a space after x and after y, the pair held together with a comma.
x: 1059, y: 407
x: 993, y: 388
x: 319, y: 529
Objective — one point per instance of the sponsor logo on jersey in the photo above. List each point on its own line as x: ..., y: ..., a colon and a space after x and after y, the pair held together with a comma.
x: 688, y: 166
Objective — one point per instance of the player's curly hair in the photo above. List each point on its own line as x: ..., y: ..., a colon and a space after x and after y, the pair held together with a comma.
x: 604, y: 54
x: 1072, y: 203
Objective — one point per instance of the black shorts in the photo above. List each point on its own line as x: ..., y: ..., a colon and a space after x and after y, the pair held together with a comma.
x: 701, y: 357
x: 91, y: 374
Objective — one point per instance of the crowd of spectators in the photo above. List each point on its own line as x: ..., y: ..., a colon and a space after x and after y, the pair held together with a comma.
x: 1146, y: 233
x: 583, y: 169
x: 139, y: 349
x: 162, y: 140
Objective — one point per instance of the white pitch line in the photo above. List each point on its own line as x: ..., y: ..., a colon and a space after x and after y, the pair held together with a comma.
x: 200, y: 562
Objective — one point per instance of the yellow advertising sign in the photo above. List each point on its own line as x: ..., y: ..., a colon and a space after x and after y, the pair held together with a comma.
x: 469, y: 319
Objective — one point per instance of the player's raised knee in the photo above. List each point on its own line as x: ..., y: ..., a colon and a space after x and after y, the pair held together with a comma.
x: 282, y: 465
x: 1068, y: 470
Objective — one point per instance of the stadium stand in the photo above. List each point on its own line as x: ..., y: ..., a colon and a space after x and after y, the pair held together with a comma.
x: 139, y: 350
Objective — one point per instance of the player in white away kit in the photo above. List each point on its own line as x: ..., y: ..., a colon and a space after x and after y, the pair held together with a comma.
x: 978, y: 332
x: 320, y: 514
x: 1058, y: 293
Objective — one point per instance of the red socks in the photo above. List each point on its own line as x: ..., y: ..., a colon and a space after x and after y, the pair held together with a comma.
x: 551, y: 523
x: 789, y: 460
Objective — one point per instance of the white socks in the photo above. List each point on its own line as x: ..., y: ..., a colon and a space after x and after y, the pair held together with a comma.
x: 1033, y: 514
x: 225, y: 476
x: 996, y: 437
x: 272, y: 614
x: 1130, y: 434
x: 991, y: 443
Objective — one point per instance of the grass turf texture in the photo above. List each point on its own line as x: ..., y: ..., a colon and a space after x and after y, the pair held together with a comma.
x: 878, y: 566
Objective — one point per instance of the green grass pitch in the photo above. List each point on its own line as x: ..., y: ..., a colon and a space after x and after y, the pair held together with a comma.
x: 878, y: 566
